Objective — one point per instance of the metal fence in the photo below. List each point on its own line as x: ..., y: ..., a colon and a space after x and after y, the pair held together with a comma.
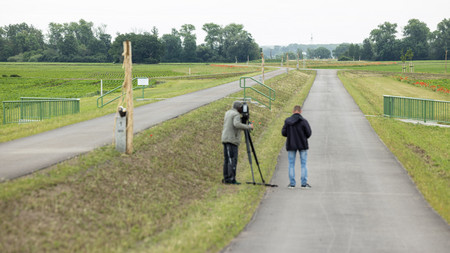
x: 263, y: 90
x: 112, y: 96
x: 36, y: 109
x: 416, y: 108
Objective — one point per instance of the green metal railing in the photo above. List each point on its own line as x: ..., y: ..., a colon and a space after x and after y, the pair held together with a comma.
x: 101, y: 100
x: 416, y: 108
x: 30, y: 109
x: 259, y: 89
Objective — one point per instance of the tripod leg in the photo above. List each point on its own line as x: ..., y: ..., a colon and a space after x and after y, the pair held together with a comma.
x: 247, y: 136
x: 256, y: 159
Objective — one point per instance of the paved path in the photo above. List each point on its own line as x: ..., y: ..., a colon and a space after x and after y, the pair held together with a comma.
x: 361, y: 199
x: 25, y: 155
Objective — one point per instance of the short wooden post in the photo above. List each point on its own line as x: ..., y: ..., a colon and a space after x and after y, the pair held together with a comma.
x: 128, y: 84
x: 262, y: 66
x: 287, y: 63
x: 446, y: 51
x: 287, y: 60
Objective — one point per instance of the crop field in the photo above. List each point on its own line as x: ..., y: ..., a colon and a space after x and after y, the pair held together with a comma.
x: 437, y: 67
x: 80, y: 80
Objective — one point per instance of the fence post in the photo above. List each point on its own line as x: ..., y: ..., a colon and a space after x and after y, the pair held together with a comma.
x: 424, y: 111
x: 4, y: 114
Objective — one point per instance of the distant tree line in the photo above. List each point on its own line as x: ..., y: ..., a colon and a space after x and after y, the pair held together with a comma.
x: 383, y: 45
x: 83, y: 42
x: 321, y: 51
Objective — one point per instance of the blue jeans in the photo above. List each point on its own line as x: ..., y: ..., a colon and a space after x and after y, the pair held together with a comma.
x: 304, y: 171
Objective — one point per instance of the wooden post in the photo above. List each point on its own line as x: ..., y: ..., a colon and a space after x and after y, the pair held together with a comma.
x: 446, y: 60
x: 128, y: 84
x: 287, y: 60
x: 298, y: 61
x: 262, y: 66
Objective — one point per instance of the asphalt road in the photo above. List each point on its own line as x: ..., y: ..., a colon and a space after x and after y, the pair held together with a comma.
x: 361, y: 200
x: 26, y: 155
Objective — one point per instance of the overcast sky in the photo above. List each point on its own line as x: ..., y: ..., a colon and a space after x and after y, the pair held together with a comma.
x: 275, y: 22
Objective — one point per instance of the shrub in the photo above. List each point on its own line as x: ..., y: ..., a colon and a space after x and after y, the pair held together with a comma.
x: 344, y: 58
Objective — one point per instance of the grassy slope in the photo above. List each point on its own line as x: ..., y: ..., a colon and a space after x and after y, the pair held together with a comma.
x: 423, y: 150
x: 166, y: 197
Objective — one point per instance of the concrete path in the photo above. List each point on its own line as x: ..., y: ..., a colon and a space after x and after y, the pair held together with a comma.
x: 361, y: 200
x: 23, y: 156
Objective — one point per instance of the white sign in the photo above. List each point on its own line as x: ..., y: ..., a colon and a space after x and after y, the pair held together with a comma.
x: 142, y: 81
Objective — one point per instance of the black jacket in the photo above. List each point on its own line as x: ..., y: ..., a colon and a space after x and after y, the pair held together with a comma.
x: 297, y: 131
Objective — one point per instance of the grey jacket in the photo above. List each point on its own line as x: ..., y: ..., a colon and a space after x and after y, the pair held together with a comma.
x: 232, y: 127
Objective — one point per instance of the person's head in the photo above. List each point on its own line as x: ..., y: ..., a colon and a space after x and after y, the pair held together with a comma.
x: 238, y: 106
x: 297, y: 109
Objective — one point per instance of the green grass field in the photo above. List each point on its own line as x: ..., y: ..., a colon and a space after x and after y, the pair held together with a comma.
x: 437, y: 67
x: 165, y: 197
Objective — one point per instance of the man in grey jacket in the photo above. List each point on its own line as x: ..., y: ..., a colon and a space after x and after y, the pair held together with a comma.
x: 231, y: 138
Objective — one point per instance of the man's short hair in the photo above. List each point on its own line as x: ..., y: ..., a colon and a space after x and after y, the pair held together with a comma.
x: 297, y: 108
x: 237, y: 105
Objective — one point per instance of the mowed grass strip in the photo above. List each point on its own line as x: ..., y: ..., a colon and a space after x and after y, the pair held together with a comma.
x: 423, y: 150
x: 165, y: 197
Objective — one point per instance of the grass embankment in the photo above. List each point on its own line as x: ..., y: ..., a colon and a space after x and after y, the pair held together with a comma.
x: 165, y: 197
x: 423, y: 150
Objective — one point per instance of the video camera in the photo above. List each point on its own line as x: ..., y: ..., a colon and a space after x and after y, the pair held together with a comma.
x: 245, y: 112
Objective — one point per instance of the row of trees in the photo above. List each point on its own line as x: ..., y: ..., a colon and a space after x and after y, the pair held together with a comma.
x: 383, y: 45
x: 275, y: 52
x: 222, y: 44
x: 83, y: 42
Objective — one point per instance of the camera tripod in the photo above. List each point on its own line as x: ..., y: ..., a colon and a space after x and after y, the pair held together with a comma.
x: 249, y: 144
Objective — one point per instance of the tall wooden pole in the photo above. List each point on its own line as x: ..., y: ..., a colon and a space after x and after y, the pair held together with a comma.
x: 127, y: 65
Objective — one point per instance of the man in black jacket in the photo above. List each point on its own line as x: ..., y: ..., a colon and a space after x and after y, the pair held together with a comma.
x: 297, y: 131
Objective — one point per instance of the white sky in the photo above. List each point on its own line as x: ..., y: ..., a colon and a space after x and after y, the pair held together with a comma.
x: 276, y: 22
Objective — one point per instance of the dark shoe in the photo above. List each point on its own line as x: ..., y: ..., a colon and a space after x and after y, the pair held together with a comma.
x: 291, y: 186
x: 226, y: 182
x: 235, y: 182
x: 306, y: 185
